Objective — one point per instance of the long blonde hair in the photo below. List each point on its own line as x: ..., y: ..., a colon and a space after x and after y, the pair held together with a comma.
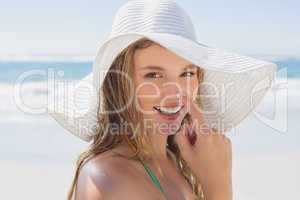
x: 115, y: 95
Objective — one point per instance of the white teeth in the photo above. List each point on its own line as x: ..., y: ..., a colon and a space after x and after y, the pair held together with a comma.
x: 169, y: 110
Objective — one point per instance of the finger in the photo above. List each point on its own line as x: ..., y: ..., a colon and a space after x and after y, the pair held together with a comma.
x: 201, y: 126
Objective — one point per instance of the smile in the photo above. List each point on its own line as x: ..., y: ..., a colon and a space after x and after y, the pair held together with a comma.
x: 169, y: 111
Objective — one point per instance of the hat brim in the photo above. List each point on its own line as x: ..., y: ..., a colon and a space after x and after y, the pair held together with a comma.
x: 233, y: 84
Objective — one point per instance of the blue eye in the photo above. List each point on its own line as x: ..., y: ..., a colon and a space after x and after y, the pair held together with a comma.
x: 152, y: 75
x: 188, y: 74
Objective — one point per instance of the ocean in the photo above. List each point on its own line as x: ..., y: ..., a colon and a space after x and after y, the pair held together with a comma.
x: 10, y: 70
x: 37, y: 156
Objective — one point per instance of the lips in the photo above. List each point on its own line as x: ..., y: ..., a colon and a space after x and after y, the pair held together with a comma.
x: 169, y: 110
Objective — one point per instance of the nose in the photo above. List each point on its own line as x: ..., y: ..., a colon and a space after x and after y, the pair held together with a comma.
x: 172, y: 94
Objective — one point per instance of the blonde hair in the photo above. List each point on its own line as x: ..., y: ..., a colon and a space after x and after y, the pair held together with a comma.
x: 118, y: 99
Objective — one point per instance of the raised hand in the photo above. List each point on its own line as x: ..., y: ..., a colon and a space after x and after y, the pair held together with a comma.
x: 208, y: 154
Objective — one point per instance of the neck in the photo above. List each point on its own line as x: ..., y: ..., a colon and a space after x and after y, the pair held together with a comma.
x: 159, y: 144
x: 161, y: 162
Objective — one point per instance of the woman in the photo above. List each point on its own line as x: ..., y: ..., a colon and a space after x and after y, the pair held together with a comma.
x: 152, y: 137
x: 108, y: 177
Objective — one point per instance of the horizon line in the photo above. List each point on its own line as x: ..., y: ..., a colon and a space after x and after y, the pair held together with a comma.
x: 90, y: 57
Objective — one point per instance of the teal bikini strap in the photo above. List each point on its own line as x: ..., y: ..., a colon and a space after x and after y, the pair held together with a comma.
x: 153, y: 177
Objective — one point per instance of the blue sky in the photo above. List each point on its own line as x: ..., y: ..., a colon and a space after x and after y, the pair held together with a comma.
x: 77, y: 27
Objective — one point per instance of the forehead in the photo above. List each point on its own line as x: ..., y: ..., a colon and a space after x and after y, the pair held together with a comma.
x: 156, y: 55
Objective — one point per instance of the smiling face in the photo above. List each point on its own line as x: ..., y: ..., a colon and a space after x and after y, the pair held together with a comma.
x: 164, y: 84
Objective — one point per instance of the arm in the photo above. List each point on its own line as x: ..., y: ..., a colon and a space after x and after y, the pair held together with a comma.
x: 90, y: 183
x: 208, y: 154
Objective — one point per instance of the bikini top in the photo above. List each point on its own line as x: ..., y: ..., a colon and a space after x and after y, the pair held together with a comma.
x: 152, y: 174
x: 153, y: 177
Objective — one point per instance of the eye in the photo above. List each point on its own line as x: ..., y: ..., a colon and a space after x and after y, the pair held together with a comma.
x: 190, y: 73
x: 152, y: 75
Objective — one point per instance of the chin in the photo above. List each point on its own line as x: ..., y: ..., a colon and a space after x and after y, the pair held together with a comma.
x: 168, y: 127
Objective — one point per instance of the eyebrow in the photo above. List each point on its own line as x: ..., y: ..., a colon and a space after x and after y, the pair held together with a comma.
x: 159, y: 68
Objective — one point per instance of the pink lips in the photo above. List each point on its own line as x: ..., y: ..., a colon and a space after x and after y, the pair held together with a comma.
x: 169, y: 116
x: 157, y: 107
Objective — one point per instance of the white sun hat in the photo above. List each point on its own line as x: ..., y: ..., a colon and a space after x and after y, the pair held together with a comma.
x: 233, y: 84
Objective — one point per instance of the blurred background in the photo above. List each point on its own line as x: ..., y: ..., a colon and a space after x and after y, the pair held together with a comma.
x: 37, y: 156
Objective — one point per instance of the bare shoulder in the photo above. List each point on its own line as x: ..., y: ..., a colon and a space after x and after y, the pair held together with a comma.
x: 108, y: 177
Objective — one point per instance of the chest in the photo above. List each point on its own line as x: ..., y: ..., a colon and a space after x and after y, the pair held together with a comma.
x: 178, y: 190
x: 175, y: 188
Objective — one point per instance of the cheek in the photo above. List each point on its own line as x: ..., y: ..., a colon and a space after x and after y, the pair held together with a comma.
x: 146, y: 95
x: 191, y: 88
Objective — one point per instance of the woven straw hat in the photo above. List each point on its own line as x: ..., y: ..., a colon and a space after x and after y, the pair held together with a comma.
x: 233, y: 84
